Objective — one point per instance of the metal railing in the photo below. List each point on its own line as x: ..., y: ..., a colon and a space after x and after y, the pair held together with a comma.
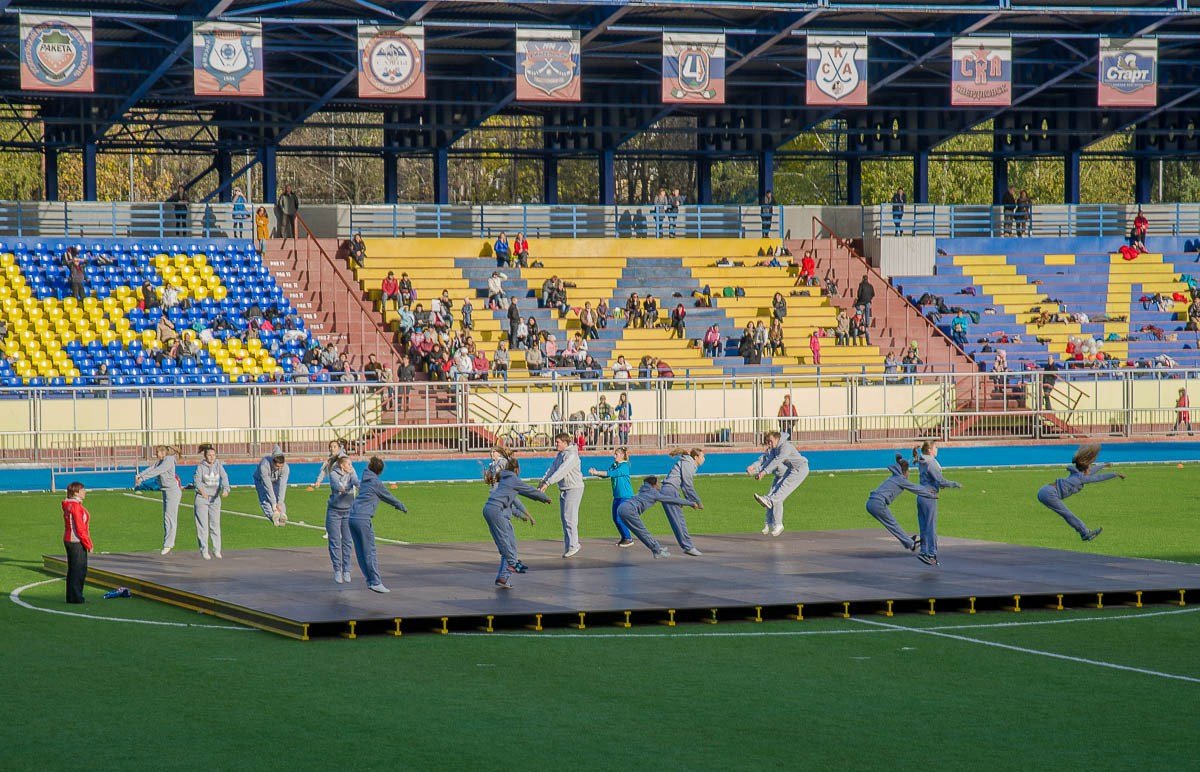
x: 149, y: 219
x: 567, y: 221
x: 968, y: 220
x: 80, y: 427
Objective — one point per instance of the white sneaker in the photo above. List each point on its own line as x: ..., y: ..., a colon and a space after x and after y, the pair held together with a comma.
x: 283, y: 519
x: 777, y: 530
x: 166, y: 550
x: 325, y: 536
x: 662, y: 553
x: 217, y: 554
x: 766, y: 529
x: 693, y: 552
x: 762, y: 500
x: 378, y: 588
x: 573, y: 551
x: 346, y: 577
x: 337, y: 577
x: 205, y: 555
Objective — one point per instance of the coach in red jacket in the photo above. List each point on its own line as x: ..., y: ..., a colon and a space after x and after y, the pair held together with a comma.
x: 77, y: 538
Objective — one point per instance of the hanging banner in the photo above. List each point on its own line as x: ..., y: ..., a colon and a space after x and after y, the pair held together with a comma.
x: 391, y: 62
x: 547, y: 65
x: 57, y: 53
x: 1128, y: 72
x: 693, y: 68
x: 981, y: 75
x: 227, y: 59
x: 837, y: 70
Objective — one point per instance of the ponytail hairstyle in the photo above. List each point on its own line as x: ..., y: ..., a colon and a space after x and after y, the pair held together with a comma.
x: 772, y: 436
x: 902, y: 464
x: 923, y: 450
x: 693, y: 452
x: 1085, y: 457
x: 168, y: 450
x: 509, y: 462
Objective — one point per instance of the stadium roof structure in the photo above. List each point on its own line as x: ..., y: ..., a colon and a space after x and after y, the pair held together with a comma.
x: 144, y: 80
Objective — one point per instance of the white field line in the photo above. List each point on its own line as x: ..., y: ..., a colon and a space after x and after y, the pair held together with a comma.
x: 262, y: 517
x: 15, y: 597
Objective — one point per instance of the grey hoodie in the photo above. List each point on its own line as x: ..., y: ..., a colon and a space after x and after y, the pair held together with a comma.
x: 164, y: 470
x: 783, y: 458
x: 931, y: 476
x: 565, y: 470
x: 891, y: 488
x: 371, y: 492
x: 211, y: 479
x: 682, y: 478
x: 647, y: 496
x: 341, y: 488
x: 508, y: 487
x: 1074, y: 482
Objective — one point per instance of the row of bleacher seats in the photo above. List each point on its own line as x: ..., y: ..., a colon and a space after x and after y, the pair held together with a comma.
x: 110, y: 336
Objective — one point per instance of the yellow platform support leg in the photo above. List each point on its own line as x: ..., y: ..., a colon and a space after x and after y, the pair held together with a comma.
x: 799, y: 615
x: 396, y: 632
x: 932, y: 610
x: 445, y: 629
x: 350, y: 633
x: 627, y: 623
x: 537, y: 623
x: 581, y: 624
x: 845, y: 609
x: 670, y: 620
x: 713, y: 619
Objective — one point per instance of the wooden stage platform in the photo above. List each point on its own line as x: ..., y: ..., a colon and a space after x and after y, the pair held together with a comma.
x: 449, y: 586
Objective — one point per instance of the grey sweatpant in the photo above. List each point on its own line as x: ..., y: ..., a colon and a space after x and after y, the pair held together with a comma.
x: 171, y: 498
x: 499, y: 523
x: 568, y: 509
x: 780, y: 490
x: 676, y: 519
x: 881, y: 512
x: 633, y: 521
x: 1048, y: 495
x: 208, y: 522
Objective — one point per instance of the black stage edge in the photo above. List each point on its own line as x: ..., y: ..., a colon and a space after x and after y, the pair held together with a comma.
x: 449, y: 586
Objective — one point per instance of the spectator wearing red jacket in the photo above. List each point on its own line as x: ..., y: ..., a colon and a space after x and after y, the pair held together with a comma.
x: 77, y: 538
x: 391, y: 289
x: 520, y: 250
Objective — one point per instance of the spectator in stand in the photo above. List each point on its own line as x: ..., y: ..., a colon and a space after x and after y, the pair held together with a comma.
x: 1183, y: 413
x: 674, y: 204
x: 650, y: 311
x: 407, y: 321
x: 1008, y: 204
x: 179, y: 201
x: 678, y: 322
x: 787, y: 416
x: 898, y: 202
x: 633, y: 312
x: 646, y: 369
x: 390, y: 289
x: 77, y: 279
x: 589, y: 369
x: 550, y: 350
x: 501, y: 360
x: 374, y: 370
x: 746, y: 349
x: 166, y: 331
x: 501, y: 249
x: 660, y: 210
x: 890, y: 364
x: 779, y: 307
x: 959, y: 327
x: 663, y: 371
x: 358, y: 250
x: 911, y: 360
x: 149, y: 297
x: 262, y: 228
x: 533, y: 360
x: 468, y: 314
x: 535, y: 332
x: 514, y: 319
x: 588, y: 321
x: 842, y: 330
x: 1049, y: 380
x: 775, y: 339
x: 761, y: 338
x: 712, y: 341
x: 603, y: 314
x: 481, y: 366
x: 288, y: 208
x: 520, y: 250
x: 496, y: 294
x: 814, y: 345
x: 808, y: 270
x: 620, y: 369
x: 239, y: 213
x: 1024, y: 214
x: 858, y: 330
x: 831, y: 283
x: 767, y: 213
x: 407, y: 295
x: 330, y: 357
x: 1137, y: 236
x: 863, y: 299
x: 300, y: 371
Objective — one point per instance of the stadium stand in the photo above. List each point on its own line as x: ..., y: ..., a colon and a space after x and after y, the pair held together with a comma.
x: 145, y: 313
x: 1063, y: 298
x: 607, y: 272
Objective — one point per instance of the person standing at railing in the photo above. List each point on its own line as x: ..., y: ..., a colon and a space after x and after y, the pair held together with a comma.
x: 179, y: 202
x: 1024, y: 214
x: 863, y: 299
x: 172, y: 492
x: 1008, y: 209
x: 287, y: 207
x: 240, y: 213
x: 660, y: 211
x: 767, y: 213
x: 898, y: 202
x: 927, y: 505
x: 564, y: 472
x: 211, y: 484
x: 790, y: 469
x: 674, y: 204
x: 1183, y: 413
x: 880, y: 500
x: 787, y: 415
x: 1082, y: 471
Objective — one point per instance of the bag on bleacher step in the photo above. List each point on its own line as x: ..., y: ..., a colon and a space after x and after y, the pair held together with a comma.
x: 727, y: 292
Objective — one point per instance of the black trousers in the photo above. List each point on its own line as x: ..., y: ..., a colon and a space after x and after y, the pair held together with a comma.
x: 76, y: 571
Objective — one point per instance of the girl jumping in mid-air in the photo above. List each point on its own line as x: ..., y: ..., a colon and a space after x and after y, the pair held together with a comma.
x: 680, y: 484
x: 880, y: 499
x: 631, y: 510
x: 172, y: 491
x: 927, y: 505
x: 1082, y: 471
x: 503, y: 505
x: 790, y: 469
x: 622, y: 490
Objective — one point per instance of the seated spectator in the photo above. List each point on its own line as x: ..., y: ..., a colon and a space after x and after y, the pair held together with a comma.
x: 496, y: 295
x: 808, y: 271
x: 589, y: 321
x: 535, y: 332
x: 775, y: 339
x: 481, y: 366
x: 520, y: 250
x: 390, y: 289
x: 891, y: 364
x: 620, y: 369
x: 842, y: 330
x: 650, y: 311
x: 550, y: 350
x: 149, y: 297
x: 633, y: 312
x: 407, y: 321
x: 374, y: 370
x: 858, y: 330
x: 749, y: 353
x: 190, y: 346
x: 421, y: 317
x: 712, y: 341
x: 958, y: 328
x: 646, y: 368
x: 170, y: 297
x: 779, y: 307
x: 589, y: 368
x: 678, y: 321
x: 463, y: 367
x: 831, y: 283
x: 663, y: 370
x: 761, y: 338
x: 407, y: 293
x: 603, y: 314
x: 501, y: 360
x: 501, y: 250
x: 1137, y: 236
x: 165, y: 331
x: 533, y: 360
x: 358, y: 250
x: 330, y: 358
x: 300, y: 371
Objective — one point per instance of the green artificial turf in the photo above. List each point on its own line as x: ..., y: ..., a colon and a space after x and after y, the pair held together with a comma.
x: 823, y: 694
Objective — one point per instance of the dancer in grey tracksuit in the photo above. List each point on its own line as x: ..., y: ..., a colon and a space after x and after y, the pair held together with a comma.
x: 878, y: 503
x: 343, y: 486
x: 566, y: 473
x: 630, y: 511
x: 680, y: 484
x: 371, y: 492
x: 1082, y: 471
x: 498, y: 511
x: 172, y: 491
x: 501, y: 462
x: 271, y: 480
x: 790, y: 470
x: 927, y: 505
x: 211, y: 484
